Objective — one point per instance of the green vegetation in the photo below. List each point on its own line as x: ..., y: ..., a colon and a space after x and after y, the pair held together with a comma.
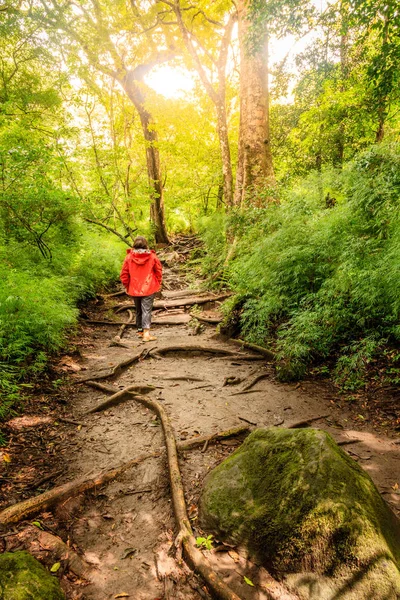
x: 321, y: 281
x: 297, y: 200
x: 22, y: 577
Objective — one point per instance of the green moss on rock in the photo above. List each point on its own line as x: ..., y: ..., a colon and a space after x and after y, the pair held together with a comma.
x: 22, y: 577
x: 302, y: 505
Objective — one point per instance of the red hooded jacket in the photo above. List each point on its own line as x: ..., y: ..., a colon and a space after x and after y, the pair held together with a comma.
x: 141, y: 273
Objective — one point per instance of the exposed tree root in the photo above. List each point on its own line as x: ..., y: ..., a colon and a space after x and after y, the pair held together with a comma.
x: 182, y: 378
x: 264, y: 351
x: 242, y: 392
x: 64, y: 553
x: 232, y: 381
x: 116, y: 294
x: 215, y: 437
x: 183, y: 294
x: 185, y: 536
x: 119, y: 396
x: 193, y: 348
x: 254, y: 381
x: 123, y: 326
x: 27, y: 508
x: 117, y: 369
x: 32, y: 506
x: 174, y: 319
x: 210, y: 320
x: 188, y: 301
x: 306, y: 422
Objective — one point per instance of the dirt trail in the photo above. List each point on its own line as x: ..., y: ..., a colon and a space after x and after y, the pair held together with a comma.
x: 126, y: 529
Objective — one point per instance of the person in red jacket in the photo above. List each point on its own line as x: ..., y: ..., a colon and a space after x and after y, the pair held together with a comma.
x: 141, y: 276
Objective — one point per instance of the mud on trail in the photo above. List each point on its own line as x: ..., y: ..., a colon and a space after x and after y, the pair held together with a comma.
x: 125, y: 531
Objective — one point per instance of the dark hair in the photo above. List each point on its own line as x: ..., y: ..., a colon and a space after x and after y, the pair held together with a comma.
x: 140, y: 243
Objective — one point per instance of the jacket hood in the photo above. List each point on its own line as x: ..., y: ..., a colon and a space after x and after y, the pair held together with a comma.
x: 140, y: 257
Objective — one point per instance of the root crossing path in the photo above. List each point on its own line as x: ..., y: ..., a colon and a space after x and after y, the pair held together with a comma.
x: 126, y: 531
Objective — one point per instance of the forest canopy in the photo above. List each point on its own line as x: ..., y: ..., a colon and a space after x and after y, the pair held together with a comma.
x: 282, y: 154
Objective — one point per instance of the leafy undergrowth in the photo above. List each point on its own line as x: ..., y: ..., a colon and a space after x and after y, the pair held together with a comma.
x: 38, y: 301
x: 319, y: 279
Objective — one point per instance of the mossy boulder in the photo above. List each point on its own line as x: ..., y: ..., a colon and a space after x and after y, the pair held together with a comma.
x: 22, y: 577
x: 307, y: 511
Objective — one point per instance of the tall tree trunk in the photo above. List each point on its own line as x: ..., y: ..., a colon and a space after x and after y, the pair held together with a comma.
x: 222, y: 130
x: 254, y: 141
x: 132, y: 84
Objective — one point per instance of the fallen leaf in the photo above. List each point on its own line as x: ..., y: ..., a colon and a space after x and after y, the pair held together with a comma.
x: 37, y: 524
x: 395, y: 486
x: 122, y: 595
x: 248, y: 581
x: 55, y: 567
x: 6, y: 457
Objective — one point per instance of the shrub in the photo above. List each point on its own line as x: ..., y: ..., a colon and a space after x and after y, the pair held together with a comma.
x: 323, y: 281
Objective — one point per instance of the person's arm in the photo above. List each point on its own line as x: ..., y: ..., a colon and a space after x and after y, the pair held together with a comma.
x: 124, y: 275
x: 157, y: 268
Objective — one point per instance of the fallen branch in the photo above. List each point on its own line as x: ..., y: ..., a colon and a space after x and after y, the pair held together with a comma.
x: 178, y: 302
x: 306, y: 422
x: 264, y: 351
x: 117, y: 369
x: 119, y: 396
x: 123, y: 326
x: 254, y: 381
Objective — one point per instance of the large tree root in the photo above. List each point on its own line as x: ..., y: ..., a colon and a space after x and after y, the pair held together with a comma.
x: 185, y: 535
x: 264, y: 351
x: 193, y: 348
x: 119, y: 396
x: 191, y: 301
x: 27, y: 508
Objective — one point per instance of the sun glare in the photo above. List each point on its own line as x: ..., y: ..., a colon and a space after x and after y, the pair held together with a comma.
x: 170, y: 82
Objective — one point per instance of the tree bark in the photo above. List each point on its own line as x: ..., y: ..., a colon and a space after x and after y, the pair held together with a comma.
x: 255, y: 170
x: 133, y: 86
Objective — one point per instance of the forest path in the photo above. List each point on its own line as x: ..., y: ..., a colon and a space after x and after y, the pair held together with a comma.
x: 127, y: 529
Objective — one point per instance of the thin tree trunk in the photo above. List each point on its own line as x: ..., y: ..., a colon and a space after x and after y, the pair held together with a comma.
x: 132, y: 84
x: 257, y: 166
x: 217, y: 94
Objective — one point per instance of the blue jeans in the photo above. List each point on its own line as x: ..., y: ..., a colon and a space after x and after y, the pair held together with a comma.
x: 143, y: 305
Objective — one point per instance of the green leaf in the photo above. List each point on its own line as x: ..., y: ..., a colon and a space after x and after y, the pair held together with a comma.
x: 55, y: 567
x: 248, y: 581
x: 38, y: 525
